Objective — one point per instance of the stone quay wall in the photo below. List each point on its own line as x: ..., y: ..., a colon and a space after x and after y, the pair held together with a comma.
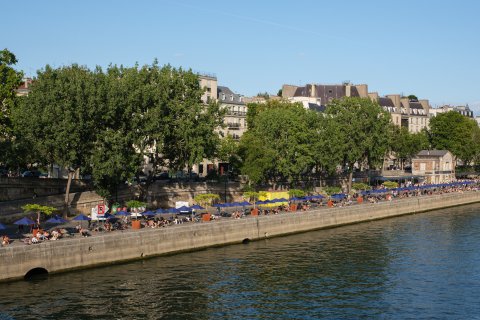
x: 78, y: 252
x: 25, y: 188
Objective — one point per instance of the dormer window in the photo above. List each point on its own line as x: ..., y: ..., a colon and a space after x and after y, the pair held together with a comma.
x: 231, y: 97
x: 223, y: 96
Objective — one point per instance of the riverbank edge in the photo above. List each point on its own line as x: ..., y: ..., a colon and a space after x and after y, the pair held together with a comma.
x: 120, y: 247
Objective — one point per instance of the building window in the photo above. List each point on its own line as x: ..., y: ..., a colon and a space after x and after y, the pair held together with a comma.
x: 223, y: 96
x: 231, y: 97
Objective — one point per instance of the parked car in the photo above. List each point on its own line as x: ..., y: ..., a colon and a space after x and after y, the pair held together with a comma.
x: 31, y: 174
x: 162, y: 176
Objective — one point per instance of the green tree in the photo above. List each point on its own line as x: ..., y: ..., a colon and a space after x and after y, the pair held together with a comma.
x: 412, y: 97
x: 60, y: 117
x: 205, y: 199
x: 406, y: 145
x: 10, y: 80
x: 456, y: 133
x: 189, y: 125
x: 277, y: 148
x: 361, y: 132
x: 228, y: 152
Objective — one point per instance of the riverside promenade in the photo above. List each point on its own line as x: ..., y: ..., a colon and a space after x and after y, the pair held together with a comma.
x: 115, y: 247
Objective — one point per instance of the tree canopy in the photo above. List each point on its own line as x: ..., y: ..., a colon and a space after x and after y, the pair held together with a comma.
x: 107, y: 122
x: 359, y: 131
x: 406, y: 145
x: 10, y: 80
x: 456, y: 133
x: 277, y: 148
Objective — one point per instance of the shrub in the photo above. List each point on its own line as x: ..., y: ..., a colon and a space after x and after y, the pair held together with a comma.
x: 296, y: 193
x: 206, y: 198
x: 332, y: 190
x: 390, y: 184
x: 361, y: 186
x: 136, y: 204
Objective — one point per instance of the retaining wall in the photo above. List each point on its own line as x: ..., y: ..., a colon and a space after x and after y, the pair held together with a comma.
x: 69, y: 254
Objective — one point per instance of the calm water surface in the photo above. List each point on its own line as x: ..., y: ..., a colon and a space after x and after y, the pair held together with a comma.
x: 424, y: 266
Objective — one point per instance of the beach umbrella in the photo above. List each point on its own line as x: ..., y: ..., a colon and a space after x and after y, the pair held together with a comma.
x: 148, y: 214
x: 81, y: 217
x: 122, y: 213
x: 218, y: 205
x: 56, y: 220
x: 109, y: 216
x: 245, y: 203
x: 184, y: 209
x: 296, y: 199
x: 197, y: 207
x: 282, y: 200
x: 2, y: 227
x: 236, y: 204
x: 173, y: 210
x: 24, y: 222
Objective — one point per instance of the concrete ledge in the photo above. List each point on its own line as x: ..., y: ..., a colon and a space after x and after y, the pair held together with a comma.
x: 75, y: 253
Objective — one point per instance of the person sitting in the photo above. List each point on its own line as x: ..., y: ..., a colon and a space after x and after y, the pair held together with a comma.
x: 84, y: 233
x: 27, y: 241
x: 5, y: 240
x: 34, y: 240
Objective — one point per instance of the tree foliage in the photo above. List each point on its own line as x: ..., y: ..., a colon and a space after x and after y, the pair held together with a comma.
x: 206, y: 198
x: 107, y: 122
x: 456, y: 133
x: 359, y: 132
x: 296, y: 193
x: 406, y: 145
x: 277, y: 147
x: 10, y: 80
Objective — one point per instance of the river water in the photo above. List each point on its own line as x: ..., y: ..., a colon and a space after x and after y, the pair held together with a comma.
x: 423, y: 266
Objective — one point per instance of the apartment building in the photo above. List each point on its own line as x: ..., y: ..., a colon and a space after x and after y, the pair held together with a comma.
x: 463, y: 110
x: 314, y: 96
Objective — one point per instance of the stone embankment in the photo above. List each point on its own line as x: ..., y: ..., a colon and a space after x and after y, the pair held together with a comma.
x: 77, y: 252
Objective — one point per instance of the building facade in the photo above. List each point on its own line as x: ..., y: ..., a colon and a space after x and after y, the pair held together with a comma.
x: 235, y: 119
x: 437, y: 166
x: 463, y: 110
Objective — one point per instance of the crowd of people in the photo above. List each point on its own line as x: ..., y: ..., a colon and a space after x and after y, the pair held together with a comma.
x: 122, y: 223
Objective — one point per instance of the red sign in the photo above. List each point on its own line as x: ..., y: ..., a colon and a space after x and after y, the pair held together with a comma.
x: 101, y: 209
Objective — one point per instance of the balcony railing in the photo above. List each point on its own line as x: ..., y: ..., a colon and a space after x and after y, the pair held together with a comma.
x: 231, y: 125
x: 236, y: 113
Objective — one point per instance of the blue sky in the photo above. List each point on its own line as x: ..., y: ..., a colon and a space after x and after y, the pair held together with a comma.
x: 426, y: 48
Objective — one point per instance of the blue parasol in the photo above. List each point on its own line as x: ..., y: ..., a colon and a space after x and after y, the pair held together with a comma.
x: 148, y: 213
x: 24, y: 222
x: 81, y: 217
x: 56, y: 220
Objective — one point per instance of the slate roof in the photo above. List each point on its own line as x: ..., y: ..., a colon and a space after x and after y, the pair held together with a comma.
x: 385, y: 102
x: 435, y: 153
x: 415, y: 105
x: 228, y: 93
